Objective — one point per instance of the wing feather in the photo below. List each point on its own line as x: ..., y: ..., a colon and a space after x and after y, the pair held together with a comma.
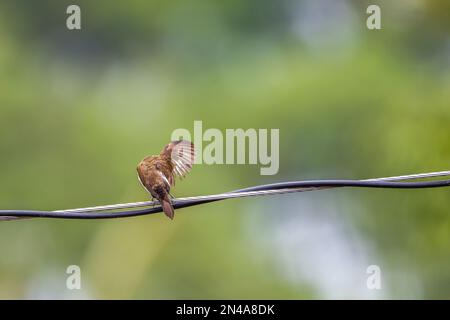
x: 182, y: 155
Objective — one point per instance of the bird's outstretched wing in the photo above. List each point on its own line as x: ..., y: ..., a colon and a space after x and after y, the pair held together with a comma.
x: 182, y: 156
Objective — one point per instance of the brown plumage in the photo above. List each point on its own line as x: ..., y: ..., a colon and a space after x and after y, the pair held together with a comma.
x: 157, y: 173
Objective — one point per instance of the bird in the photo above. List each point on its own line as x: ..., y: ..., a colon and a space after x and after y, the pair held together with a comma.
x: 157, y: 173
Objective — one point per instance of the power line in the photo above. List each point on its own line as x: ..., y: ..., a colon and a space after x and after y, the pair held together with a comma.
x: 150, y: 207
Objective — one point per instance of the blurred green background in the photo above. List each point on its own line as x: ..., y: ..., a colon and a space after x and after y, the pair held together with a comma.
x: 80, y: 109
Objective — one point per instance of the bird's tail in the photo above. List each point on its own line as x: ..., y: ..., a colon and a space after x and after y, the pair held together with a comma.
x: 167, y: 207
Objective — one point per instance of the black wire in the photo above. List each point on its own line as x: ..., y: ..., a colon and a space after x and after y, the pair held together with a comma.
x: 178, y: 204
x: 188, y: 203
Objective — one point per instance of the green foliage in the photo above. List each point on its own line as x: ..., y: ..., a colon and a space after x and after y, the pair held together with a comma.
x: 78, y: 111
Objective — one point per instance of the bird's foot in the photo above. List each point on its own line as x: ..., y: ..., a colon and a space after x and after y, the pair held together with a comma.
x: 153, y: 202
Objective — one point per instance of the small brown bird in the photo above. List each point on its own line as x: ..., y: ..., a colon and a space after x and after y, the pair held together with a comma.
x: 157, y: 173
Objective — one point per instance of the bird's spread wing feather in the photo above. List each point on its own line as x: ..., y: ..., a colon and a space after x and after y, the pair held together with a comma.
x: 182, y: 155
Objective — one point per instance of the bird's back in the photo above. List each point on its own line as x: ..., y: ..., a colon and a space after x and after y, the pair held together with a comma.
x: 151, y: 168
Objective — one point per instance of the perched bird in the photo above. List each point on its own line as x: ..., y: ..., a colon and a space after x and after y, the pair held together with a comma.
x: 157, y: 173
